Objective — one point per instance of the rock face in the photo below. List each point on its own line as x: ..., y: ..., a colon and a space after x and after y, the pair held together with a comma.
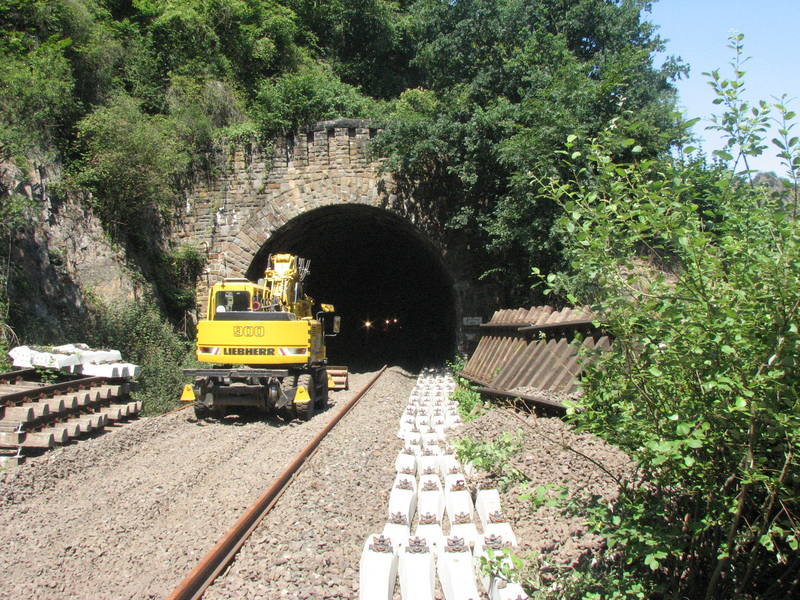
x: 62, y: 256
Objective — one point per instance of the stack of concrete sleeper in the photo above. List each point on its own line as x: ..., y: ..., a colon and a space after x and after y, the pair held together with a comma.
x: 59, y: 416
x: 430, y: 483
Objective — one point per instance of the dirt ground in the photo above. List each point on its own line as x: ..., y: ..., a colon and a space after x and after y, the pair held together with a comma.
x: 562, y: 461
x: 129, y: 513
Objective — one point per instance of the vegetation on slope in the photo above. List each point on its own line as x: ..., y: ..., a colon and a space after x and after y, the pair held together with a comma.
x: 474, y: 94
x: 694, y: 271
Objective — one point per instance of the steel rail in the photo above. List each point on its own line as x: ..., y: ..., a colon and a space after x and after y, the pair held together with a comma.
x: 46, y: 390
x: 212, y: 564
x: 489, y: 391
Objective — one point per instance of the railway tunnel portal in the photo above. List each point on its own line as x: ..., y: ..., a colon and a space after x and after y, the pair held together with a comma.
x: 387, y: 281
x: 401, y: 289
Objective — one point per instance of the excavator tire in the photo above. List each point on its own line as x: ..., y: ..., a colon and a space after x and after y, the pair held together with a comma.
x: 305, y: 410
x: 202, y: 390
x: 200, y: 410
x: 321, y: 389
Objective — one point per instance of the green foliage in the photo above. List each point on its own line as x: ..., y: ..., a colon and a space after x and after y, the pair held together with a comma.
x: 177, y: 279
x: 742, y: 124
x: 506, y: 82
x: 546, y: 495
x: 243, y: 40
x: 130, y: 161
x: 369, y: 43
x: 695, y: 274
x: 36, y: 97
x: 494, y: 456
x: 47, y: 376
x: 470, y: 405
x: 187, y: 263
x: 311, y: 94
x: 145, y: 338
x: 134, y: 93
x: 201, y: 108
x: 503, y: 564
x: 456, y: 365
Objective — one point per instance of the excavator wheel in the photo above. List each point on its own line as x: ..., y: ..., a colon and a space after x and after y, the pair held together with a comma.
x: 200, y: 410
x: 322, y: 389
x: 305, y: 410
x: 201, y: 389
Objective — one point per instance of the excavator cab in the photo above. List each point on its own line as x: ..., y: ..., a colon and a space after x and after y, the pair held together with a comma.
x: 231, y: 301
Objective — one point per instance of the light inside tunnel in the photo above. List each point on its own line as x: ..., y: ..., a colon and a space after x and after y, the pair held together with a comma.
x: 385, y: 279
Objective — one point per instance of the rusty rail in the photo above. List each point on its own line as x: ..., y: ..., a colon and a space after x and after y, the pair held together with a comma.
x: 36, y: 415
x: 203, y: 575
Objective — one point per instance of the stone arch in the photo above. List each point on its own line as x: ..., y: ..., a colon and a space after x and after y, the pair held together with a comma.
x: 232, y: 212
x: 375, y: 267
x: 258, y: 190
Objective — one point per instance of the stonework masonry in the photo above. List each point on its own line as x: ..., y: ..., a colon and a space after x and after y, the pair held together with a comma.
x: 232, y: 215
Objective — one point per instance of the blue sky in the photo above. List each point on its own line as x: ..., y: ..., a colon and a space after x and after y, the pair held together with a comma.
x: 698, y: 30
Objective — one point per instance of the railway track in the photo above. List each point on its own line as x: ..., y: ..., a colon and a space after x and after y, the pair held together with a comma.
x: 203, y: 575
x: 185, y: 482
x: 40, y: 409
x: 424, y: 422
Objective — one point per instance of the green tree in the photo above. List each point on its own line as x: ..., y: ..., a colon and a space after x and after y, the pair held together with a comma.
x: 510, y: 80
x: 368, y: 43
x: 694, y: 272
x: 130, y: 161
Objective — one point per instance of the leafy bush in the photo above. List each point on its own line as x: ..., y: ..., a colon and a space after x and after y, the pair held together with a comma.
x: 702, y: 296
x: 201, y: 107
x: 505, y: 82
x: 176, y: 277
x: 130, y: 161
x: 300, y: 98
x: 36, y: 88
x: 493, y: 457
x: 144, y: 337
x: 470, y: 405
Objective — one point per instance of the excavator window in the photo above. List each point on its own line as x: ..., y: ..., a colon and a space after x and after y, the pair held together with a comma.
x: 232, y: 301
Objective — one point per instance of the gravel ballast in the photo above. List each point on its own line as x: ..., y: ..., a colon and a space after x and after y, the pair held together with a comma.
x: 129, y: 513
x: 309, y: 545
x: 561, y: 460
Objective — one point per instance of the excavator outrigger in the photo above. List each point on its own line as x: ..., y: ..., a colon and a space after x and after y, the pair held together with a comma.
x: 266, y: 345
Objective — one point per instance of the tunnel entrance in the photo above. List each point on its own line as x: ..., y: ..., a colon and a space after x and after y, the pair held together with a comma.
x: 386, y: 280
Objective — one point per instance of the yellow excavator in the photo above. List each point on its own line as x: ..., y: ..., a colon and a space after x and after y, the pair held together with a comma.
x: 265, y: 345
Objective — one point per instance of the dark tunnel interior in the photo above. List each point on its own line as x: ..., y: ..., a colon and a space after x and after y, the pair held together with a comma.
x: 385, y: 279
